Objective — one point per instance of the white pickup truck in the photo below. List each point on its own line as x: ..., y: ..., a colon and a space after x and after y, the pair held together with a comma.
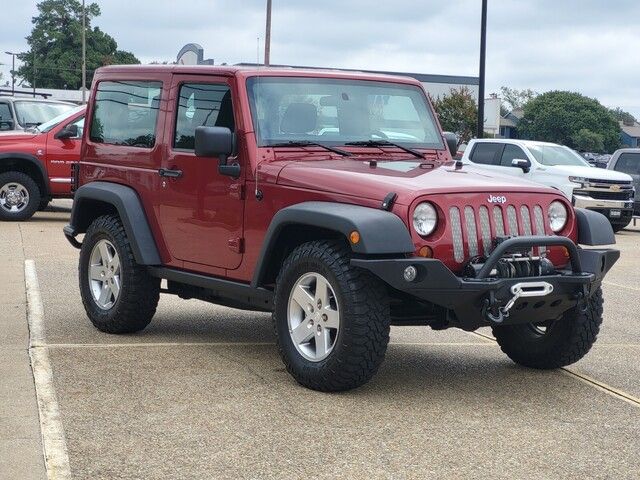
x: 606, y: 191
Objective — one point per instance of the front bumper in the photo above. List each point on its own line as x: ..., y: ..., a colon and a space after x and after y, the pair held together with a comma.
x: 624, y: 207
x: 471, y: 300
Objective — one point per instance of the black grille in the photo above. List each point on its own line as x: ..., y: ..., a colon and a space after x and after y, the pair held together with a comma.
x: 608, y: 182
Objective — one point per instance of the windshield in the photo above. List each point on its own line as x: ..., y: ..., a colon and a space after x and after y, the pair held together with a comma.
x: 46, y: 126
x: 551, y: 155
x: 30, y: 114
x: 337, y: 111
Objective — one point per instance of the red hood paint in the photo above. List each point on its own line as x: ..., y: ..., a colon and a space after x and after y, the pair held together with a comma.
x: 410, y: 178
x: 13, y: 137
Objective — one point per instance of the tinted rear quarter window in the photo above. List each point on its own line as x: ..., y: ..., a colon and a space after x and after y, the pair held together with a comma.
x: 628, y: 163
x: 126, y: 113
x: 6, y: 119
x: 485, y: 153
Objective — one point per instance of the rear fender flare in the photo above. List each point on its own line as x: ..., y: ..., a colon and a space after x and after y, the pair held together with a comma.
x: 126, y: 202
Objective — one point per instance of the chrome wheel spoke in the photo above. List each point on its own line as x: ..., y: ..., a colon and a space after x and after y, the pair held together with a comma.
x: 96, y: 272
x: 115, y: 264
x: 104, y: 253
x: 332, y: 318
x: 323, y: 340
x: 302, y: 297
x: 303, y: 332
x: 322, y: 292
x: 115, y: 286
x: 105, y: 294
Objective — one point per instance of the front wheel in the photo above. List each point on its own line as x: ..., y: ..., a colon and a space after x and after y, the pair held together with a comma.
x: 553, y: 343
x: 331, y: 320
x: 119, y: 295
x: 19, y: 196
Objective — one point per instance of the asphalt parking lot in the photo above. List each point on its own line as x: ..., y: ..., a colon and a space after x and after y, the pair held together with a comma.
x: 201, y: 393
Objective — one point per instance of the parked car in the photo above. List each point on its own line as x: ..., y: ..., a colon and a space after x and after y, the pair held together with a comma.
x: 608, y: 192
x: 223, y: 182
x: 35, y: 164
x: 20, y: 113
x: 627, y: 160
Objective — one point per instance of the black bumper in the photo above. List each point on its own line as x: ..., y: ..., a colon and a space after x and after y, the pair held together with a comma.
x: 470, y: 300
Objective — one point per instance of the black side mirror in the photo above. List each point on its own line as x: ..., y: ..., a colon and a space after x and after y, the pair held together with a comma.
x: 70, y: 131
x: 523, y: 163
x: 452, y: 142
x: 217, y: 142
x: 6, y: 124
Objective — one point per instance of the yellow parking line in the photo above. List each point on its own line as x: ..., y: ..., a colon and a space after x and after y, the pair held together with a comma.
x: 636, y: 289
x: 597, y: 384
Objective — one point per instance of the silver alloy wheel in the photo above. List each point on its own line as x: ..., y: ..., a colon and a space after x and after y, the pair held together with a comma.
x: 14, y: 197
x: 313, y: 317
x: 104, y: 274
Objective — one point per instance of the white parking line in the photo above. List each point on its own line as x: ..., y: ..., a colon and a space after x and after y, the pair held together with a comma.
x: 53, y: 440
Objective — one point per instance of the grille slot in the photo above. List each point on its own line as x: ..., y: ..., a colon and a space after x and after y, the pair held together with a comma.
x: 456, y: 231
x: 477, y: 226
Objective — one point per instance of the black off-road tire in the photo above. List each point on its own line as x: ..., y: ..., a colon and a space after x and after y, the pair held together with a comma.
x: 566, y: 340
x: 34, y: 196
x: 363, y: 335
x: 44, y: 203
x: 139, y: 291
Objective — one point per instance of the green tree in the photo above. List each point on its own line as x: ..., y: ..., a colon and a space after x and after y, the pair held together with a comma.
x: 458, y: 113
x: 513, y: 98
x: 56, y: 46
x: 587, y: 141
x: 622, y: 116
x: 559, y: 116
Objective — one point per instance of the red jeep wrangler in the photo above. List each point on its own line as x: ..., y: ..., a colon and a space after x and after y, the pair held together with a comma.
x: 36, y: 164
x: 331, y: 200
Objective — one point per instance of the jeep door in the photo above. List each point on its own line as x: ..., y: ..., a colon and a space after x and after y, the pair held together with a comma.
x: 201, y: 211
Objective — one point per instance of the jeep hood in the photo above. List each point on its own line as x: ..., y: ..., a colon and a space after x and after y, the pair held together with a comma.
x: 588, y: 172
x: 407, y: 178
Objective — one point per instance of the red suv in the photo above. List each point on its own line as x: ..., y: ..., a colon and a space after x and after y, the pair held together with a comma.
x: 36, y: 164
x: 331, y: 200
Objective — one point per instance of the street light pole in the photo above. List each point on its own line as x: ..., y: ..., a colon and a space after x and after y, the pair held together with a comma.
x: 84, y: 55
x: 267, y: 37
x: 483, y: 53
x: 13, y: 72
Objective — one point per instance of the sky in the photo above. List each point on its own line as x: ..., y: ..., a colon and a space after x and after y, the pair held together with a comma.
x: 588, y: 46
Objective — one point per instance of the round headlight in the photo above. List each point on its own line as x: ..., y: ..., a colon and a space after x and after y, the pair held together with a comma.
x: 425, y: 219
x: 557, y: 215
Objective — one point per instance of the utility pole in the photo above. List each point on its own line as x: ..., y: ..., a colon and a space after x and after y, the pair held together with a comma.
x: 33, y: 84
x: 84, y: 55
x: 483, y: 53
x: 13, y: 72
x: 267, y: 36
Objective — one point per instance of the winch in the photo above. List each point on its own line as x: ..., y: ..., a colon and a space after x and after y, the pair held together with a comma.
x: 517, y: 265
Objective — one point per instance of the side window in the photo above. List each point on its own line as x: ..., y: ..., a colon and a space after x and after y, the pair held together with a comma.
x: 201, y: 104
x: 125, y: 113
x: 628, y: 163
x: 6, y: 119
x: 511, y: 152
x: 486, y: 153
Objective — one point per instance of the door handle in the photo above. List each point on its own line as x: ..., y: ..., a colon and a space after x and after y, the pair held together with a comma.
x: 165, y: 172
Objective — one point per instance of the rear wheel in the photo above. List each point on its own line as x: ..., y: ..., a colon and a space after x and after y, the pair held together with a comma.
x: 555, y: 343
x: 119, y: 295
x: 19, y: 196
x: 331, y: 320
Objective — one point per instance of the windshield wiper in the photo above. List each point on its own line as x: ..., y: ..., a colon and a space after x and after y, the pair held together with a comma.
x: 307, y: 143
x: 386, y: 143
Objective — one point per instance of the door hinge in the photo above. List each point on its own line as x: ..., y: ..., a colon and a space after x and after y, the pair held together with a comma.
x: 236, y: 244
x: 236, y: 190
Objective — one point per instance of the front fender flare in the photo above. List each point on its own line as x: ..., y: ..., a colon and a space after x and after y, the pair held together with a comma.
x: 25, y: 157
x: 381, y: 232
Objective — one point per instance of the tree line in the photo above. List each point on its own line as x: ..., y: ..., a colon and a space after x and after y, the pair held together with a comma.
x: 568, y: 118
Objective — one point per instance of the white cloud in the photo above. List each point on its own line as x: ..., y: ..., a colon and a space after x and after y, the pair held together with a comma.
x: 582, y: 45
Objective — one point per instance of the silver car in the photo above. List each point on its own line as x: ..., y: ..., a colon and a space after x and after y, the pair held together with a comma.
x: 21, y: 113
x: 627, y: 160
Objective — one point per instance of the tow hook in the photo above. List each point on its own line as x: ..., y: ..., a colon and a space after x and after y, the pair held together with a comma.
x: 583, y: 299
x: 494, y: 313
